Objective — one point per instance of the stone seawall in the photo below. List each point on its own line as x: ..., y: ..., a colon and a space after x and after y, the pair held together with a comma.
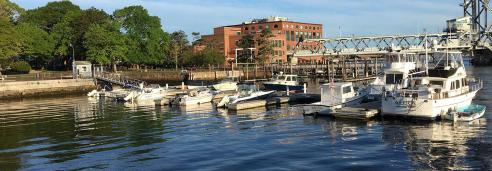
x: 20, y: 89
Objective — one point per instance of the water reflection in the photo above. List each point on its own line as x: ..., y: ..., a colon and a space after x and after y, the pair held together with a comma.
x: 84, y: 133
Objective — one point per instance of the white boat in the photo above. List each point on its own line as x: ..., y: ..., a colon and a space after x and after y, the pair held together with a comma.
x: 401, y: 67
x: 445, y: 88
x: 284, y: 82
x: 466, y: 114
x: 335, y: 96
x: 245, y: 93
x: 228, y: 84
x: 197, y: 96
x: 151, y: 93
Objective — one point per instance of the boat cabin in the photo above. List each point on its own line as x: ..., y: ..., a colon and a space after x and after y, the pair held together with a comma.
x: 286, y: 79
x: 337, y: 93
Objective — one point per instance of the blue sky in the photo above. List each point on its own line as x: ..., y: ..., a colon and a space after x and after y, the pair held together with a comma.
x: 355, y: 17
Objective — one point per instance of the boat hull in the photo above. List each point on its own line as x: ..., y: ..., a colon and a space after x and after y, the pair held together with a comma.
x: 195, y: 100
x: 425, y: 108
x: 281, y: 87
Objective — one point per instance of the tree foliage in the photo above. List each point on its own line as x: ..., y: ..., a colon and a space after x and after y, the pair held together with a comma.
x: 9, y: 10
x: 146, y: 39
x: 177, y: 45
x: 36, y: 43
x: 48, y: 16
x: 208, y: 56
x: 105, y: 44
x: 10, y: 44
x: 265, y: 46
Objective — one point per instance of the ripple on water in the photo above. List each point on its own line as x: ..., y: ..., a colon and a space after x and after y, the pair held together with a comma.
x: 79, y: 133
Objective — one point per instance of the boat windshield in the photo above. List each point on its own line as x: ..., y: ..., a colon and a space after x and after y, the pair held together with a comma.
x: 281, y: 77
x: 393, y: 78
x: 439, y: 83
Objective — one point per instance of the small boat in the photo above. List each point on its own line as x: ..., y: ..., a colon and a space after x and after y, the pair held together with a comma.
x: 196, y: 96
x: 228, y: 84
x: 151, y: 93
x: 245, y: 93
x: 335, y: 96
x: 284, y: 82
x: 466, y: 114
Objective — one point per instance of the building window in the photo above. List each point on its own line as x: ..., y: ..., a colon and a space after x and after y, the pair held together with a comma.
x: 287, y: 35
x: 260, y: 27
x: 246, y: 28
x: 291, y: 26
x: 253, y: 28
x: 238, y: 33
x: 292, y: 36
x: 297, y: 26
x: 275, y: 26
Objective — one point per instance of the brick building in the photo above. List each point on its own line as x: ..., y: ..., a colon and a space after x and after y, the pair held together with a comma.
x: 286, y: 35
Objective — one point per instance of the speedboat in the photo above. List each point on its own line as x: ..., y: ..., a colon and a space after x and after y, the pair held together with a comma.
x: 335, y: 96
x: 228, y: 84
x: 284, y: 82
x: 245, y: 93
x: 445, y: 87
x: 466, y: 114
x: 151, y: 93
x: 196, y: 96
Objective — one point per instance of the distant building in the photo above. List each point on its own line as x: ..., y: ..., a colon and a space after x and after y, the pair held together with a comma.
x: 82, y: 69
x: 286, y: 35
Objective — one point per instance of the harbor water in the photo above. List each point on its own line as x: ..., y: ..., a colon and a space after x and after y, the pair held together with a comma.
x: 81, y: 133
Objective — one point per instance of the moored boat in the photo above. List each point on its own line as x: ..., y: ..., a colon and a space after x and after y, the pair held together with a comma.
x: 245, y: 93
x: 444, y: 88
x: 466, y: 113
x: 284, y: 82
x: 335, y: 96
x: 196, y: 96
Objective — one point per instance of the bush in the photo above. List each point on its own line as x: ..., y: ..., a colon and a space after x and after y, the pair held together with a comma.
x: 20, y: 67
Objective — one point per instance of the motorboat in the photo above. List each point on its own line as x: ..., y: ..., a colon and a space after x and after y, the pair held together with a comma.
x: 284, y: 82
x: 445, y: 87
x: 152, y: 92
x: 335, y: 96
x: 228, y: 84
x: 196, y: 96
x: 466, y: 114
x: 245, y: 93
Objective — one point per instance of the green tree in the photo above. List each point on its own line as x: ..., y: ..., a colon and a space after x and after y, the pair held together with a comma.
x: 9, y: 10
x: 10, y: 44
x: 81, y: 24
x: 105, y: 45
x: 246, y: 41
x: 48, y: 16
x: 265, y: 46
x: 36, y: 43
x: 178, y: 44
x: 148, y: 42
x: 213, y: 57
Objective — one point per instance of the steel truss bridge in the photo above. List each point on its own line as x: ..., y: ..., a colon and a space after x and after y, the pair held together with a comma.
x: 478, y: 38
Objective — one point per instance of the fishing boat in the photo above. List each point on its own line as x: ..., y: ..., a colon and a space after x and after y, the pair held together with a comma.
x: 228, y: 84
x: 196, y: 96
x: 466, y: 114
x: 335, y: 96
x: 284, y: 82
x: 245, y: 93
x: 445, y: 87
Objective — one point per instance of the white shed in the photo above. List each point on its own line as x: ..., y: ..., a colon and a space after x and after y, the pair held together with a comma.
x: 82, y: 69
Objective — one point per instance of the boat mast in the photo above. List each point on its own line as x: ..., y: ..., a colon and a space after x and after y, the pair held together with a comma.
x: 426, y: 54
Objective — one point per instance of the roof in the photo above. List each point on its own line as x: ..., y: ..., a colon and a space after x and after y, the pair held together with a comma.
x: 82, y: 63
x: 243, y: 24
